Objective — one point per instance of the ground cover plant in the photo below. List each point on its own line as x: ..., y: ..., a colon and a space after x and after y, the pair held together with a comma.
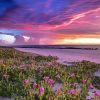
x: 24, y: 77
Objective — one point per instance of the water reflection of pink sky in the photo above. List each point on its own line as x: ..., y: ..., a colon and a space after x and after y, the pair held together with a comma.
x: 69, y: 55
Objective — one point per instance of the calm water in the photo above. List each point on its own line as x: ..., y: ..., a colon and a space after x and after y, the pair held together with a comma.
x: 69, y: 55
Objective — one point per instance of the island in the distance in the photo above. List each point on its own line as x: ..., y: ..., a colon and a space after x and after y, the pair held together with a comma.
x: 53, y: 47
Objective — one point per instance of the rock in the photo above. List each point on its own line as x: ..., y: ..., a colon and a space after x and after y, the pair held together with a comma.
x: 3, y: 98
x: 97, y: 73
x: 97, y: 79
x: 57, y: 86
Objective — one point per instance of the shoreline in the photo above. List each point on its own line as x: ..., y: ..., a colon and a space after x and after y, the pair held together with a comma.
x: 68, y: 63
x: 62, y: 59
x: 55, y: 47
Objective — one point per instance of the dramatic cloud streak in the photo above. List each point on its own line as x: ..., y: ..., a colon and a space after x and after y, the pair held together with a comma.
x: 50, y: 21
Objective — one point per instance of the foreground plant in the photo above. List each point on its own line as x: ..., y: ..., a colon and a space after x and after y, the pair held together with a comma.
x: 22, y: 79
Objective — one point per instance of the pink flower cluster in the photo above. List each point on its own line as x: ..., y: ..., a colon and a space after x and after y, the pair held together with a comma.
x: 97, y: 93
x: 35, y: 85
x: 72, y: 91
x: 46, y: 78
x: 72, y: 75
x: 41, y: 90
x: 84, y: 81
x: 50, y: 81
x: 91, y: 86
x: 25, y: 81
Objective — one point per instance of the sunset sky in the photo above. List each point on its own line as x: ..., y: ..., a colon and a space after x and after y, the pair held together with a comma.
x: 43, y: 22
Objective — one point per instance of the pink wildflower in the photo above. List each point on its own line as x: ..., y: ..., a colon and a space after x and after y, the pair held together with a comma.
x: 41, y: 89
x: 97, y: 93
x: 46, y: 78
x: 6, y: 76
x: 26, y: 81
x: 91, y: 86
x: 72, y: 75
x: 51, y: 81
x: 35, y: 85
x: 72, y: 91
x: 84, y: 81
x: 58, y: 91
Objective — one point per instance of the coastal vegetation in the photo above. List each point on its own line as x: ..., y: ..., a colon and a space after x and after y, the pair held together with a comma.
x: 27, y: 77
